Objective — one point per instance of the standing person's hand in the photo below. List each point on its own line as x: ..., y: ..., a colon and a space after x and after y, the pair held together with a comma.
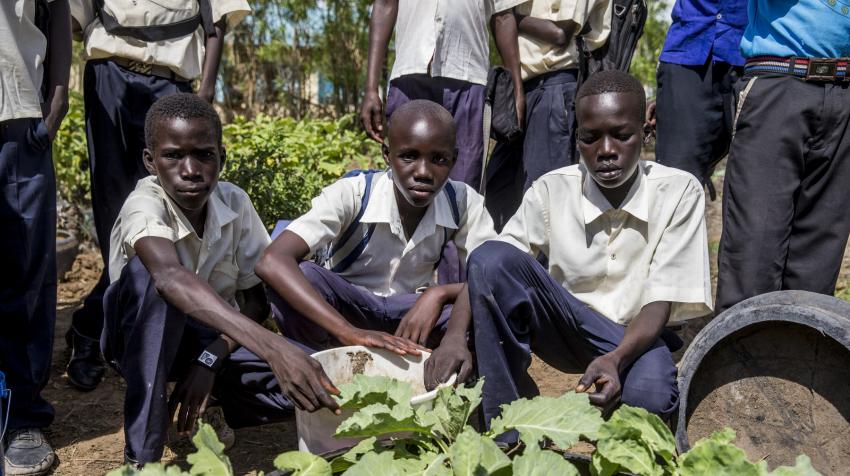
x: 54, y: 110
x: 372, y: 116
x: 603, y: 375
x: 419, y: 321
x: 301, y: 377
x: 191, y: 397
x: 519, y: 100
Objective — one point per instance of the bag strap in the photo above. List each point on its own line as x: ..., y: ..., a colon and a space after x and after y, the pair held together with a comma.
x: 451, y: 193
x: 154, y: 33
x: 355, y: 225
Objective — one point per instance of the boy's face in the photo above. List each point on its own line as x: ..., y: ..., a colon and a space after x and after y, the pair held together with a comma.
x: 421, y: 155
x: 610, y: 133
x: 187, y: 159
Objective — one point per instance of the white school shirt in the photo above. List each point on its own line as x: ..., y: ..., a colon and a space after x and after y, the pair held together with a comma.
x: 449, y: 35
x: 538, y: 57
x: 234, y: 236
x: 616, y: 260
x: 390, y: 263
x: 184, y: 55
x: 22, y: 52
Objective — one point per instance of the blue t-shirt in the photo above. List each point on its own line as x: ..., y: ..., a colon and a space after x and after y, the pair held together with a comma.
x: 705, y: 27
x: 809, y: 28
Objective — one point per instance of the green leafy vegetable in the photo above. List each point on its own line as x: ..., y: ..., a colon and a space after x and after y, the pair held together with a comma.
x: 366, y: 390
x: 473, y: 454
x: 379, y: 419
x: 802, y: 467
x: 537, y: 462
x: 210, y: 458
x: 303, y: 464
x: 717, y: 455
x: 562, y: 420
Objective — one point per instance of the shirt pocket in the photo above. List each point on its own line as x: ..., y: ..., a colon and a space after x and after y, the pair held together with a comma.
x: 223, y: 278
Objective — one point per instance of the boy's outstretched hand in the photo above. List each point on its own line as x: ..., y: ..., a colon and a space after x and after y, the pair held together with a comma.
x: 302, y: 378
x: 381, y: 340
x: 604, y: 376
x: 417, y: 324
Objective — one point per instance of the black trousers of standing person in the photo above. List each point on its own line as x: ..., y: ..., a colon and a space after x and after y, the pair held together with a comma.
x: 28, y: 271
x: 546, y: 145
x: 117, y: 101
x: 695, y: 107
x: 786, y: 198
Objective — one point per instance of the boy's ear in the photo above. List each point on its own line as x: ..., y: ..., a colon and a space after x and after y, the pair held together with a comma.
x: 385, y: 151
x: 147, y: 158
x: 223, y: 157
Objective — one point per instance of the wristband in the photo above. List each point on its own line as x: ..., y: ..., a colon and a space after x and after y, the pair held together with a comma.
x: 210, y: 361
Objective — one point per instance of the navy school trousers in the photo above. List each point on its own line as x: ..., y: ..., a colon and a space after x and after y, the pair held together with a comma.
x: 116, y: 101
x: 517, y: 309
x: 28, y: 277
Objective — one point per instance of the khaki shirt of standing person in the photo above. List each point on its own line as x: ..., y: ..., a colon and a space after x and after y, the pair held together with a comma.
x: 22, y: 52
x: 233, y: 240
x: 617, y: 260
x: 445, y: 38
x: 184, y: 55
x: 539, y: 57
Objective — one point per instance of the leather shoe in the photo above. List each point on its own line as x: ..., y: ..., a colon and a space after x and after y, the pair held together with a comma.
x: 27, y: 453
x: 86, y: 368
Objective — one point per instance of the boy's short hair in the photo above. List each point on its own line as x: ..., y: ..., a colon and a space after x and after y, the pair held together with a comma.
x: 179, y: 106
x: 614, y: 81
x: 422, y: 108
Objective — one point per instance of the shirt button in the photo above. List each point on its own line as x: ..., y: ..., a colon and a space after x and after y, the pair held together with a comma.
x: 719, y: 16
x: 613, y: 257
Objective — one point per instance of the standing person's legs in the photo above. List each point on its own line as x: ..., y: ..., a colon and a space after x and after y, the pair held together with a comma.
x: 694, y: 110
x: 822, y: 213
x: 518, y: 308
x: 764, y: 175
x: 145, y: 338
x: 27, y: 285
x: 116, y: 102
x: 360, y: 307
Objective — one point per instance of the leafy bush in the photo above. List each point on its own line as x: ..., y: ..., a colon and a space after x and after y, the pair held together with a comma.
x: 439, y: 441
x: 280, y: 162
x: 283, y: 163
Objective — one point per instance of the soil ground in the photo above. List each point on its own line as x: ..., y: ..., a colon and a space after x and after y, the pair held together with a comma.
x: 87, y: 433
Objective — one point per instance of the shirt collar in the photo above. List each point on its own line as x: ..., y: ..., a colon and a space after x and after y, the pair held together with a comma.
x: 382, y: 208
x: 218, y: 215
x: 595, y: 204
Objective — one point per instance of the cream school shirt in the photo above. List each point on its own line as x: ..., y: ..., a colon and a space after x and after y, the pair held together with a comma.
x: 653, y: 248
x: 447, y: 38
x: 234, y: 237
x: 184, y: 55
x: 390, y: 263
x: 538, y: 57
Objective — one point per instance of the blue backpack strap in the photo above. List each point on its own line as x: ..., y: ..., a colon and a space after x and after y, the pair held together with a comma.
x: 355, y: 225
x: 451, y: 193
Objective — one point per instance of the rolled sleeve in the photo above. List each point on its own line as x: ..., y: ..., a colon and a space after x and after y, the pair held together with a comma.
x: 253, y: 240
x: 82, y: 11
x: 236, y: 11
x: 679, y: 271
x: 141, y: 216
x: 527, y: 229
x: 476, y: 225
x: 333, y: 209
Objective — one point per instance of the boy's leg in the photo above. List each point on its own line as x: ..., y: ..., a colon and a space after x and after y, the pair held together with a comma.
x: 27, y: 286
x: 518, y: 308
x: 116, y: 102
x: 141, y: 338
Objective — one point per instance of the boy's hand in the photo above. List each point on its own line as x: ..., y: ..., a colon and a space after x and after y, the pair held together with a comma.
x: 417, y: 324
x: 449, y: 358
x: 372, y: 116
x: 603, y: 374
x: 301, y: 378
x: 381, y: 340
x: 191, y: 396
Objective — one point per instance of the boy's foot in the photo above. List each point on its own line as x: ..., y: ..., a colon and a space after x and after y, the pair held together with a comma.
x: 85, y: 369
x: 214, y: 416
x: 27, y: 453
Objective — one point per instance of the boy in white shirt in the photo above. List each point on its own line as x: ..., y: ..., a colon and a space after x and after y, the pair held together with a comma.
x: 627, y: 254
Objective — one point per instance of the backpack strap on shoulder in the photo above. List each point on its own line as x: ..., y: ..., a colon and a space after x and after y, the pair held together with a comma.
x: 451, y: 193
x: 154, y: 33
x: 346, y: 236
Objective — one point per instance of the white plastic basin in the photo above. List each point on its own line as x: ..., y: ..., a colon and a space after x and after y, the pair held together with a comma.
x: 315, y: 430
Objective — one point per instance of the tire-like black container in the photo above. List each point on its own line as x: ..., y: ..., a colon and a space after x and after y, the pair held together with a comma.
x: 775, y: 368
x: 67, y: 247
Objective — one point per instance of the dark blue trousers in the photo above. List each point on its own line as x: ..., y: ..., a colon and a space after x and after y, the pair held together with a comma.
x: 361, y: 308
x: 517, y: 309
x: 28, y: 277
x: 116, y: 102
x: 150, y: 343
x: 546, y: 145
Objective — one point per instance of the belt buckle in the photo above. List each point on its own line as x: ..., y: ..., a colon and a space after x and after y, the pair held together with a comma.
x: 139, y: 67
x: 822, y: 69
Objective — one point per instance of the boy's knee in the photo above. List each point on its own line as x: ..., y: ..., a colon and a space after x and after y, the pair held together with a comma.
x: 315, y: 275
x: 492, y: 260
x: 653, y: 387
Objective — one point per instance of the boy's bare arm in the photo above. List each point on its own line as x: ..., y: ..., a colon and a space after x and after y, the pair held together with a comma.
x: 279, y: 268
x: 301, y: 378
x: 546, y: 30
x: 212, y: 58
x: 604, y: 371
x: 506, y: 34
x: 59, y: 68
x: 381, y: 24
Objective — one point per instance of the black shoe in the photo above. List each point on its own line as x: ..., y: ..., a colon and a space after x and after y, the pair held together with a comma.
x: 86, y: 368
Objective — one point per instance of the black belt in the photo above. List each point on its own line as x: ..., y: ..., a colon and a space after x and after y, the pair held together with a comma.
x: 810, y: 69
x: 148, y: 68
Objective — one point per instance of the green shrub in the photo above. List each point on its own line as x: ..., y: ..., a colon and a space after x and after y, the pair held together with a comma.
x: 70, y: 156
x: 283, y: 163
